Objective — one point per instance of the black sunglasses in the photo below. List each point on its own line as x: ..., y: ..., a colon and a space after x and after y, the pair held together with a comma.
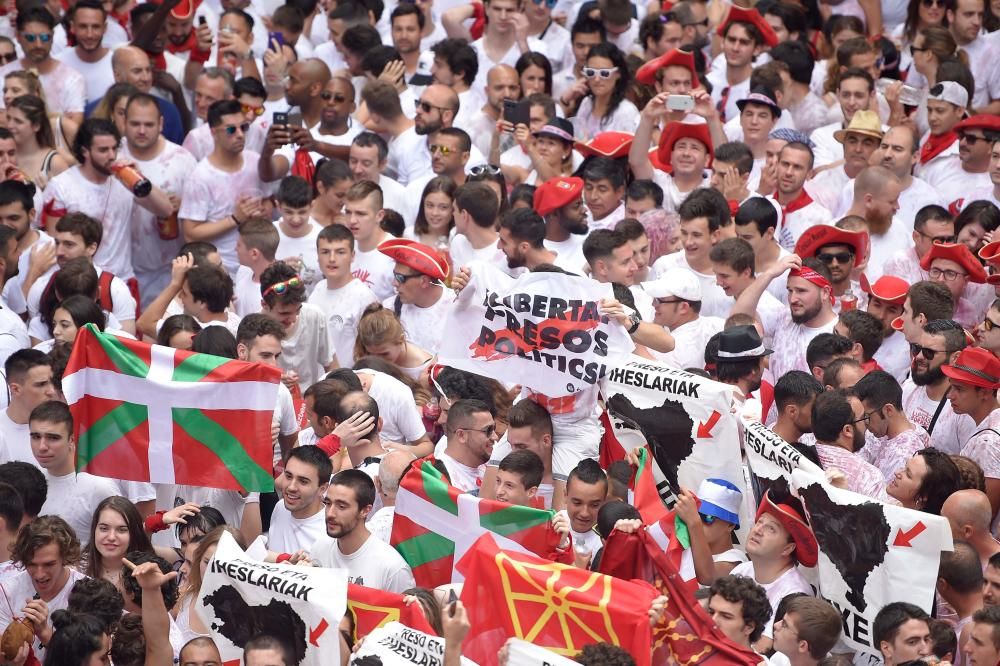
x: 839, y: 257
x: 926, y: 352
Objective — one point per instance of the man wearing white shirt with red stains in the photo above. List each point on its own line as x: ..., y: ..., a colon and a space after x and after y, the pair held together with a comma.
x: 685, y: 146
x: 939, y: 162
x: 886, y: 297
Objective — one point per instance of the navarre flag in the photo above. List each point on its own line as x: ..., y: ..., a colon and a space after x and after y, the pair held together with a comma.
x: 685, y: 634
x: 556, y: 606
x: 373, y: 608
x: 146, y: 412
x: 435, y: 524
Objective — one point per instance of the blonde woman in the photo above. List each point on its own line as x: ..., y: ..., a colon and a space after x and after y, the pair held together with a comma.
x: 381, y: 334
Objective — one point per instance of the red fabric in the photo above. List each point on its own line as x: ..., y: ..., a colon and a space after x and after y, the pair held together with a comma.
x: 685, y: 634
x: 159, y: 61
x: 643, y: 486
x: 935, y: 145
x: 189, y: 44
x: 809, y: 275
x: 798, y: 203
x: 154, y: 523
x: 478, y: 26
x: 562, y: 608
x: 766, y: 396
x: 283, y: 557
x: 329, y: 444
x: 372, y: 608
x: 870, y: 366
x: 611, y: 449
x: 303, y: 166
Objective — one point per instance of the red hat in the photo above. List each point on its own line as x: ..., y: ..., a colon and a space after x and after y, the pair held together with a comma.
x: 421, y: 258
x: 818, y: 235
x: 185, y: 9
x: 672, y: 58
x: 557, y: 193
x: 606, y: 144
x: 888, y: 288
x: 752, y: 16
x: 806, y: 548
x: 960, y: 254
x: 983, y: 121
x: 674, y: 132
x: 990, y: 253
x: 975, y: 366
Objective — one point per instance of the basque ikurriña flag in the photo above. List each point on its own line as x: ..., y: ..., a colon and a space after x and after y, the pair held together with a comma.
x: 146, y: 412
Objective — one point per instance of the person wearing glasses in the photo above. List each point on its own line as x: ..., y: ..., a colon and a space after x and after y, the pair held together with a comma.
x: 168, y: 166
x: 602, y: 103
x: 975, y: 145
x: 840, y: 250
x: 988, y: 332
x: 471, y: 431
x: 66, y: 90
x: 932, y: 224
x: 677, y: 303
x: 954, y: 266
x: 421, y: 302
x: 223, y: 190
x: 839, y: 425
x: 896, y: 438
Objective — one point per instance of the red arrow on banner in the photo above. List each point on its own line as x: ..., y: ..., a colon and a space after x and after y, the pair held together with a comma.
x: 705, y: 429
x: 904, y: 538
x: 314, y: 634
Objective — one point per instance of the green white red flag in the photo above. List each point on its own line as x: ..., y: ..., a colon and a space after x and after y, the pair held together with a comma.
x: 435, y: 524
x: 146, y: 412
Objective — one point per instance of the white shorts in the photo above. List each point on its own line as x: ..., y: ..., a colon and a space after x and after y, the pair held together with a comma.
x: 573, y: 441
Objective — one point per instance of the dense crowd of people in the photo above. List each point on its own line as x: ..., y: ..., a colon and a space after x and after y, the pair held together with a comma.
x: 798, y: 199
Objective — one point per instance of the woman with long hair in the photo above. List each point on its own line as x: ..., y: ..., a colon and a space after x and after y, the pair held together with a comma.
x: 37, y: 155
x: 535, y: 73
x: 189, y: 623
x: 116, y: 529
x: 603, y: 107
x: 381, y: 334
x: 434, y: 220
x: 920, y: 14
x: 112, y: 105
x: 178, y: 331
x: 932, y: 46
x: 927, y: 480
x: 24, y: 82
x: 70, y: 316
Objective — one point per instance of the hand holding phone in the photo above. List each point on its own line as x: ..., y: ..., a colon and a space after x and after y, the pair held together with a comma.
x: 680, y: 103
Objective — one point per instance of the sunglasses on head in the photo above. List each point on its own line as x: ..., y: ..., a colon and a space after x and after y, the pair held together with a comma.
x: 231, y: 129
x: 326, y: 96
x: 926, y: 352
x: 489, y: 169
x: 599, y: 72
x: 281, y: 287
x: 255, y: 110
x: 43, y: 37
x: 839, y: 257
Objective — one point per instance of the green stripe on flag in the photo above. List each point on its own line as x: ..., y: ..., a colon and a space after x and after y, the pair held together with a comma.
x: 107, y: 430
x: 515, y: 519
x: 229, y: 450
x: 437, y: 489
x: 425, y: 548
x: 123, y: 358
x: 197, y: 366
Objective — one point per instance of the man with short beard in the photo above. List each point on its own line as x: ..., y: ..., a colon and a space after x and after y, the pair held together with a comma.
x: 925, y: 393
x: 522, y: 232
x: 560, y: 202
x: 798, y: 210
x: 839, y: 425
x: 840, y: 250
x: 89, y: 57
x: 876, y: 200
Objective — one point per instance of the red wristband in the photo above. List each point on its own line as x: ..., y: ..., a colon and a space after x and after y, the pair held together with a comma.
x: 329, y: 444
x: 154, y: 523
x: 283, y: 557
x: 197, y: 55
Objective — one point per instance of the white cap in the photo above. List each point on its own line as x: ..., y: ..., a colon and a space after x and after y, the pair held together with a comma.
x: 677, y: 282
x: 951, y: 92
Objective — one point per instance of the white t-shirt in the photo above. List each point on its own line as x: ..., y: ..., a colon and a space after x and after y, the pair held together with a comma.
x: 306, y: 349
x: 569, y: 253
x: 401, y: 420
x: 790, y: 582
x: 343, y: 308
x: 376, y: 564
x: 16, y: 440
x: 423, y: 326
x: 289, y: 534
x: 211, y: 194
x: 690, y: 340
x: 380, y: 523
x: 951, y: 430
x: 108, y: 202
x: 462, y: 253
x: 408, y: 158
x: 13, y: 336
x: 791, y: 340
x: 375, y: 270
x: 302, y: 248
x: 714, y: 302
x: 98, y: 76
x: 465, y: 478
x: 19, y: 590
x: 74, y: 497
x: 65, y: 88
x: 246, y: 293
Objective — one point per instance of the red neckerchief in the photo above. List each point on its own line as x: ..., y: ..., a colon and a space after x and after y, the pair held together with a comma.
x: 798, y: 203
x: 188, y: 44
x: 935, y: 145
x: 870, y: 366
x: 159, y: 61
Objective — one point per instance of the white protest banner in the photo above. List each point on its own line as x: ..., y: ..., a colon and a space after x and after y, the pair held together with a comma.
x: 542, y: 330
x: 769, y: 458
x: 396, y: 644
x: 870, y: 554
x: 523, y: 653
x: 302, y: 606
x: 686, y: 420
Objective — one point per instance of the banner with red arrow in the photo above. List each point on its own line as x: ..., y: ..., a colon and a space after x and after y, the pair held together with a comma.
x: 242, y: 597
x: 687, y: 422
x: 871, y: 553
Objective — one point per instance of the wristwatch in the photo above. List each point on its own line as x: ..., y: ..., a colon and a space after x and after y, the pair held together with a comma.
x: 634, y: 318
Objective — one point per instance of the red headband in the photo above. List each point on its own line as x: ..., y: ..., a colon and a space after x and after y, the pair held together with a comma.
x: 809, y: 275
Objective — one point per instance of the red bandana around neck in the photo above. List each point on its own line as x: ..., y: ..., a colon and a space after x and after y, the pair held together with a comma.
x: 935, y: 145
x: 189, y: 44
x: 809, y: 275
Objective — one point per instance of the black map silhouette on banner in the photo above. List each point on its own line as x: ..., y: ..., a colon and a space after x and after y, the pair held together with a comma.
x: 667, y: 430
x: 852, y: 536
x: 239, y: 622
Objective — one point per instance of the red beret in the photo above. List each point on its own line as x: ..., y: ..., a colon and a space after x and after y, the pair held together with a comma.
x: 421, y: 258
x: 960, y: 254
x: 557, y: 193
x: 888, y: 288
x: 674, y: 132
x: 752, y: 16
x: 818, y: 235
x: 606, y: 144
x: 673, y: 57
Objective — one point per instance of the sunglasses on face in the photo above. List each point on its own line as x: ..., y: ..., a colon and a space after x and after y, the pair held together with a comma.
x: 971, y: 139
x: 593, y: 73
x: 926, y: 352
x: 326, y: 96
x: 444, y: 150
x: 939, y: 239
x: 989, y: 324
x: 255, y: 110
x: 231, y: 129
x: 43, y: 37
x: 489, y: 430
x: 427, y: 106
x: 401, y: 278
x: 839, y: 257
x: 7, y: 57
x: 281, y: 287
x: 927, y: 4
x: 548, y: 3
x: 480, y: 169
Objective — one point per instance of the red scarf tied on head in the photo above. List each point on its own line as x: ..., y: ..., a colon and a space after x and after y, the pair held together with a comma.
x: 809, y: 275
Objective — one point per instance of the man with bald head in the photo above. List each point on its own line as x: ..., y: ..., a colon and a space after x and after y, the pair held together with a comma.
x: 131, y: 65
x: 390, y: 471
x: 876, y: 199
x: 502, y: 82
x: 969, y: 513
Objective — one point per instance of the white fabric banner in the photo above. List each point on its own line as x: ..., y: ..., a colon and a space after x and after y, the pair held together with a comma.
x: 523, y: 653
x: 302, y: 606
x: 542, y: 330
x: 398, y: 645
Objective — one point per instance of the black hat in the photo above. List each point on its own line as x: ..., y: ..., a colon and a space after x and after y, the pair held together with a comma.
x: 761, y: 95
x: 557, y: 128
x: 739, y: 343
